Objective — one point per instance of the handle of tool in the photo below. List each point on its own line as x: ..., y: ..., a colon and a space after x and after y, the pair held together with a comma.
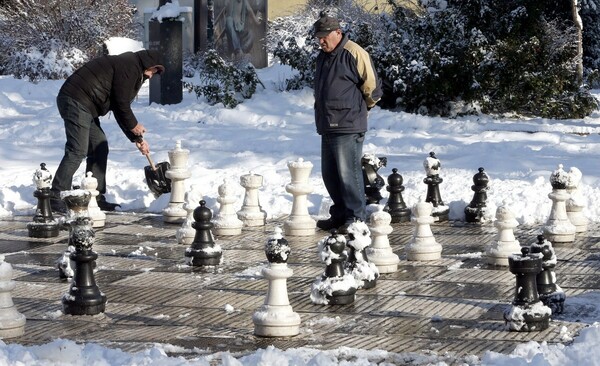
x: 140, y: 139
x: 151, y: 162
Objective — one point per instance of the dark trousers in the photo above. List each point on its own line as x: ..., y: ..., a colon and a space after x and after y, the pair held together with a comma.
x: 85, y: 140
x: 342, y: 174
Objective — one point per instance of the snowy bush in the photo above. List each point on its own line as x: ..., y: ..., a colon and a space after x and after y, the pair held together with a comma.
x: 221, y: 81
x: 49, y: 39
x: 457, y: 56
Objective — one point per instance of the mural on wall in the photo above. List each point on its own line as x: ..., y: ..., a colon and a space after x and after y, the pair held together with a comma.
x: 239, y: 30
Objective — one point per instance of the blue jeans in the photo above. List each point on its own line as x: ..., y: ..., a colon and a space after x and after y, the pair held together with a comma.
x: 85, y: 139
x: 342, y: 174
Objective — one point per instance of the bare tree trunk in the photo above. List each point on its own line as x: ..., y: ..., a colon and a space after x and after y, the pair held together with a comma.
x: 579, y: 26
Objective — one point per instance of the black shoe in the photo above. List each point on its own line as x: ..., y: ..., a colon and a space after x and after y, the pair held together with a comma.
x: 344, y: 228
x: 328, y: 224
x: 58, y: 206
x: 106, y: 206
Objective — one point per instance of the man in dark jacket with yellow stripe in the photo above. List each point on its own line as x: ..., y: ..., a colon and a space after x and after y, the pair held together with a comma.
x: 346, y: 88
x: 107, y: 83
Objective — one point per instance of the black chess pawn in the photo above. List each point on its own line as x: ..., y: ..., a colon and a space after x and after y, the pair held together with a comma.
x: 84, y: 296
x: 433, y: 180
x: 43, y: 225
x: 372, y: 180
x: 550, y: 293
x: 527, y: 312
x: 203, y: 251
x: 475, y: 211
x: 395, y: 205
x: 365, y: 272
x: 334, y: 286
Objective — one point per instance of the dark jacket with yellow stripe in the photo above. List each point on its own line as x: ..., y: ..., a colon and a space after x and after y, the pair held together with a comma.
x: 346, y: 86
x: 110, y: 83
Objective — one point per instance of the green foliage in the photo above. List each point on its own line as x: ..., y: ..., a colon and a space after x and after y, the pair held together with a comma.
x: 464, y: 56
x: 302, y: 60
x: 222, y: 81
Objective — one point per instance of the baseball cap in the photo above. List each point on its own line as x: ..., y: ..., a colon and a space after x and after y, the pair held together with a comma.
x: 325, y: 25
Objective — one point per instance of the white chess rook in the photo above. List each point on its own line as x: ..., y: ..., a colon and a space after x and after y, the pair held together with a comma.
x: 380, y: 252
x: 299, y: 222
x: 497, y: 252
x: 423, y: 247
x: 251, y: 213
x: 226, y: 221
x: 178, y: 172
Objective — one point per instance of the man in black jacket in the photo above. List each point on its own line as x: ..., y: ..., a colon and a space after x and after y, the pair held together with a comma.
x: 107, y: 83
x: 346, y: 87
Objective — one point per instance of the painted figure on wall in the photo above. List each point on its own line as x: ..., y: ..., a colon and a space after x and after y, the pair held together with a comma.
x: 239, y: 28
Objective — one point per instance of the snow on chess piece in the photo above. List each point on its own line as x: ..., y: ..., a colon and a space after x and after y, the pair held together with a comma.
x: 43, y: 225
x: 275, y: 318
x: 576, y: 202
x: 372, y: 180
x: 65, y: 264
x: 475, y: 210
x: 90, y: 183
x: 251, y: 213
x: 12, y: 323
x: 498, y: 251
x: 334, y: 286
x: 226, y: 221
x: 299, y: 223
x: 365, y: 273
x: 395, y: 205
x: 423, y: 246
x: 527, y: 312
x: 186, y: 233
x: 550, y: 293
x: 178, y: 172
x: 204, y: 251
x: 84, y: 296
x: 433, y: 180
x: 558, y: 228
x: 380, y: 252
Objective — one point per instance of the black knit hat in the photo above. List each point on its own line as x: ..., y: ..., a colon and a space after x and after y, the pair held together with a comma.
x: 325, y: 25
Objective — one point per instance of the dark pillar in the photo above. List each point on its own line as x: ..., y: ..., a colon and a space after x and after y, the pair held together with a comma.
x: 166, y: 37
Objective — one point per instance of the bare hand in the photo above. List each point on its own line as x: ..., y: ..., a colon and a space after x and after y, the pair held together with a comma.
x: 143, y: 146
x: 139, y: 130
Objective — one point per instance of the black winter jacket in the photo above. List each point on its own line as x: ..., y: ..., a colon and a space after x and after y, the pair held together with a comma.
x: 346, y: 86
x: 110, y: 83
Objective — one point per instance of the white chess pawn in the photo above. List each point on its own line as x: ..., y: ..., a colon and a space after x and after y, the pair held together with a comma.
x: 186, y: 233
x: 12, y: 323
x: 276, y: 318
x: 90, y: 183
x: 226, y: 221
x: 251, y: 213
x: 558, y: 228
x: 576, y: 201
x: 177, y: 173
x: 299, y: 222
x: 380, y: 252
x: 423, y: 247
x: 497, y: 252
